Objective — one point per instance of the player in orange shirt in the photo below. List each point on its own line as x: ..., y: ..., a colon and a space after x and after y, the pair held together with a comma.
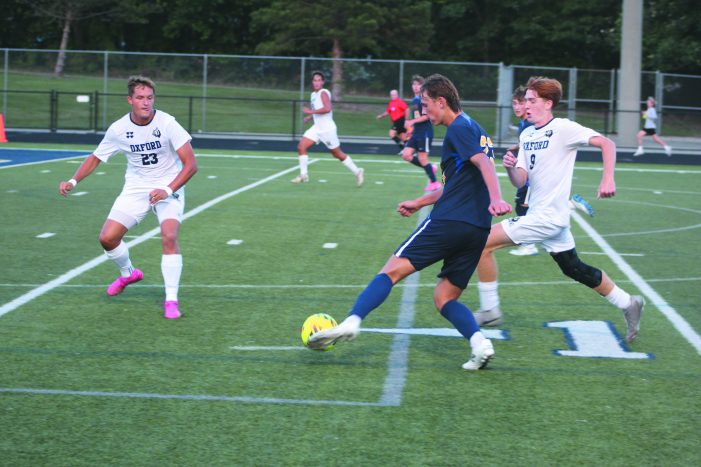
x: 396, y: 109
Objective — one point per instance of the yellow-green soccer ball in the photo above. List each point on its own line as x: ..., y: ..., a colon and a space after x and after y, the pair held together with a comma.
x: 315, y: 323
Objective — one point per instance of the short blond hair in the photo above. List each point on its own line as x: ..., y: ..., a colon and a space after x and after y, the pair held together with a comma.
x: 139, y: 80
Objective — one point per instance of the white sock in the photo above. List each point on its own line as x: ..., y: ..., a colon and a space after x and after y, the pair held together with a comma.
x: 353, y: 321
x: 489, y: 295
x: 476, y: 339
x: 619, y: 298
x: 171, y: 267
x: 120, y: 257
x: 348, y: 162
x: 640, y: 148
x: 303, y: 162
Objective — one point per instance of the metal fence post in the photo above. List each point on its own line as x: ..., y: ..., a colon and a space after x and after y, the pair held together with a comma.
x: 205, y: 63
x: 401, y: 79
x: 189, y: 115
x: 6, y: 70
x: 105, y: 80
x: 612, y: 102
x: 294, y: 119
x: 572, y: 95
x: 53, y: 110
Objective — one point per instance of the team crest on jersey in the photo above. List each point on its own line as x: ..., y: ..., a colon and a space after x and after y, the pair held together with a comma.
x: 513, y: 220
x: 156, y: 133
x: 548, y: 133
x: 130, y: 134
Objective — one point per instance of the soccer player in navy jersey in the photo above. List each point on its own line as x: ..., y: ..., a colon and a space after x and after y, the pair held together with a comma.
x: 546, y: 157
x: 419, y: 145
x: 455, y: 231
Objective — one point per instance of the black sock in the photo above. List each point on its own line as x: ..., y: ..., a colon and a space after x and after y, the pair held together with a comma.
x: 415, y: 160
x: 429, y: 171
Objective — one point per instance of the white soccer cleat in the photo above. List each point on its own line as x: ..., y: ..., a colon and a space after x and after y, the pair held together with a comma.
x: 525, y: 250
x: 668, y: 150
x: 491, y: 317
x: 346, y: 331
x: 360, y: 177
x: 480, y: 356
x: 632, y: 315
x: 300, y: 179
x: 639, y: 152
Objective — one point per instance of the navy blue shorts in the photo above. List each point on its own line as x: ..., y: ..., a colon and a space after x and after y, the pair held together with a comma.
x: 458, y: 244
x: 421, y: 142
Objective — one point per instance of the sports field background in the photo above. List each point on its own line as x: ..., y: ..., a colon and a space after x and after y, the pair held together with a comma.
x: 89, y: 379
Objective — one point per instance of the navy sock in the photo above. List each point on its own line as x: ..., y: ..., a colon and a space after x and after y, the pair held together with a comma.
x: 398, y: 140
x: 374, y: 294
x: 415, y: 160
x: 461, y: 317
x: 429, y: 171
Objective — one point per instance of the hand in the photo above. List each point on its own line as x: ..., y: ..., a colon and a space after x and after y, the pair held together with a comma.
x: 157, y: 195
x: 509, y: 160
x: 64, y: 188
x: 307, y: 110
x: 607, y: 189
x: 407, y: 208
x: 499, y: 208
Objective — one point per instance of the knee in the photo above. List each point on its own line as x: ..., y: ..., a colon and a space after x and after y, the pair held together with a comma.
x: 108, y: 241
x: 574, y: 268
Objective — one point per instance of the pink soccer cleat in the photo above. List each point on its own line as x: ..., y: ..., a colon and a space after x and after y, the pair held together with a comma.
x: 121, y: 283
x: 170, y: 309
x: 433, y: 186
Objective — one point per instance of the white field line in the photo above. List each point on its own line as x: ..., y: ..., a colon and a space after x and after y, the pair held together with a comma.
x: 62, y: 279
x: 44, y: 161
x: 653, y: 297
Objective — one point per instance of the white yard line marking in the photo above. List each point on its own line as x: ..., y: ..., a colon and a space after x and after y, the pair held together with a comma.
x: 234, y: 242
x: 602, y: 253
x: 653, y: 297
x: 62, y: 279
x: 329, y: 246
x: 46, y: 235
x: 63, y: 159
x: 496, y: 334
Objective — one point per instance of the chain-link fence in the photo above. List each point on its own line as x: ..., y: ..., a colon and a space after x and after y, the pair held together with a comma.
x: 263, y: 95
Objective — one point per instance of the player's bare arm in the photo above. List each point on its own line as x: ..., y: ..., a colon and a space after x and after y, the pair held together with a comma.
x: 187, y: 157
x: 517, y: 175
x: 85, y: 169
x: 497, y: 206
x: 607, y: 187
x: 407, y: 208
x: 326, y: 108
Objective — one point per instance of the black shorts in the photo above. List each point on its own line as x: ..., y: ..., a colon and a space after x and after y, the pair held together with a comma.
x: 398, y: 125
x: 649, y: 131
x: 420, y: 141
x: 458, y: 244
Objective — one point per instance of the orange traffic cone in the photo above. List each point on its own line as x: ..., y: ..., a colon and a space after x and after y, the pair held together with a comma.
x: 3, y: 138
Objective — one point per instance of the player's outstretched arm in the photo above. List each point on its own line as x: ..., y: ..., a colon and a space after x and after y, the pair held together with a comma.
x: 85, y: 169
x: 517, y: 177
x: 607, y: 187
x: 497, y: 206
x: 407, y: 208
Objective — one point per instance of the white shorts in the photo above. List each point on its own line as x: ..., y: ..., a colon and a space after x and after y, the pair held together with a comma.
x: 530, y: 229
x: 132, y: 205
x: 328, y: 137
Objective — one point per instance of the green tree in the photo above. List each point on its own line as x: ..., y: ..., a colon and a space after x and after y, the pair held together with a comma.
x: 355, y: 28
x: 671, y: 38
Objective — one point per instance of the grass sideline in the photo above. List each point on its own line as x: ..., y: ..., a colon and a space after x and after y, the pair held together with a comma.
x: 116, y: 359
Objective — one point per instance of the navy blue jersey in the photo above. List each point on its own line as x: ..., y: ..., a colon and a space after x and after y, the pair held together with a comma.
x: 465, y: 196
x: 422, y: 128
x: 522, y: 125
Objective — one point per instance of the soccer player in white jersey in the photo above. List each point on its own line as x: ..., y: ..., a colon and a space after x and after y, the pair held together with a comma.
x: 324, y: 130
x: 160, y: 161
x: 547, y: 151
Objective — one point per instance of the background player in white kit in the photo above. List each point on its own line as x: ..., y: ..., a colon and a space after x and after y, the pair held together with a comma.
x: 160, y: 161
x: 547, y: 151
x: 324, y: 130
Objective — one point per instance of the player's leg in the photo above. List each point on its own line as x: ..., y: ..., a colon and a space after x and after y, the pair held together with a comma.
x: 632, y: 306
x: 170, y: 214
x: 640, y: 151
x: 660, y: 141
x: 129, y: 209
x: 335, y: 149
x: 375, y: 293
x: 305, y: 143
